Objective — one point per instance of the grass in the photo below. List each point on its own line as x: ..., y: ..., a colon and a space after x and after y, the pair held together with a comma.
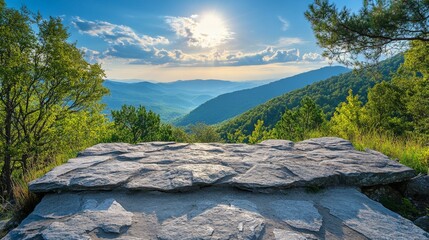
x: 409, y: 151
x: 24, y: 201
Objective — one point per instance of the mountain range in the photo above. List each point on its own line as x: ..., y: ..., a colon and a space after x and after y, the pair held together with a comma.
x: 328, y: 94
x: 228, y: 105
x: 171, y: 100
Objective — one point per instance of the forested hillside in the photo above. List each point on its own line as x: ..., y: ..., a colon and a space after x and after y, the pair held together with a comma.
x: 169, y: 100
x: 231, y: 104
x: 328, y: 94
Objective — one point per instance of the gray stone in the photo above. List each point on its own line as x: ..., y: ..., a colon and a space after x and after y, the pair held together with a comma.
x: 368, y: 217
x: 74, y: 223
x: 166, y: 190
x: 423, y: 223
x: 220, y: 222
x: 281, y: 234
x: 418, y: 186
x: 214, y: 213
x: 273, y: 164
x: 298, y: 214
x: 161, y: 178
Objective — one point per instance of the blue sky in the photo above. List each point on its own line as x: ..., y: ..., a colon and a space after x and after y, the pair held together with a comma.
x: 166, y: 40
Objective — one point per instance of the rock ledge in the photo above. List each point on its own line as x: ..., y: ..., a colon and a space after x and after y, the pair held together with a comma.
x: 163, y: 190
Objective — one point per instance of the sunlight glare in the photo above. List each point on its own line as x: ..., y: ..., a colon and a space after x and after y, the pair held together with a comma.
x: 212, y: 29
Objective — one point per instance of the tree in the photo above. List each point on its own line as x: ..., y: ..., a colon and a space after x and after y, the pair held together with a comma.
x: 237, y: 137
x: 385, y: 110
x: 297, y: 123
x: 381, y: 26
x: 201, y: 132
x: 138, y: 125
x: 180, y: 135
x: 413, y: 80
x: 347, y: 120
x: 43, y: 79
x: 259, y: 133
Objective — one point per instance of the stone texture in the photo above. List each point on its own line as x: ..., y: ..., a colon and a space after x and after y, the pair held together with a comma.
x: 215, y: 213
x: 219, y: 222
x: 368, y: 217
x: 418, y: 186
x: 280, y: 234
x: 273, y: 164
x: 165, y: 190
x: 298, y: 214
x: 72, y: 218
x: 423, y: 223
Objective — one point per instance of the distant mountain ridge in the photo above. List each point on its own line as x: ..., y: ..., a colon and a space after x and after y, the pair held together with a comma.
x: 328, y: 94
x: 171, y: 99
x: 228, y: 105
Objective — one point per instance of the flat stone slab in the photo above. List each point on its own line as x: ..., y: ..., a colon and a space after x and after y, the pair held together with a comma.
x: 270, y: 165
x: 214, y: 213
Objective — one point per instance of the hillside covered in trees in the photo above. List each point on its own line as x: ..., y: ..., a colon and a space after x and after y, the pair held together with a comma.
x: 231, y: 104
x: 171, y: 99
x: 327, y: 93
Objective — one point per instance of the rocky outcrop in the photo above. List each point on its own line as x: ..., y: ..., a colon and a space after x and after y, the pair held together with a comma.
x: 172, y: 167
x: 273, y: 190
x: 418, y: 186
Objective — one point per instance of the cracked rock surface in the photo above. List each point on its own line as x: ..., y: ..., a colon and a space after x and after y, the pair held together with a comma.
x: 273, y: 164
x: 274, y: 190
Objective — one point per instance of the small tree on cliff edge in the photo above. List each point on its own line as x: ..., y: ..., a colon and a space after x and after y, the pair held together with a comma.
x: 43, y: 78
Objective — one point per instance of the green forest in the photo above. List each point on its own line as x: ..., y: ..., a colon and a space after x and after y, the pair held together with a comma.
x: 50, y: 96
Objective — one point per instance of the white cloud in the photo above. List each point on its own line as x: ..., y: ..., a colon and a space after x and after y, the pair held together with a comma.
x: 205, y: 31
x: 123, y: 41
x: 116, y: 34
x: 126, y: 45
x: 285, y: 23
x: 288, y: 41
x: 313, y: 57
x: 90, y: 54
x: 266, y: 56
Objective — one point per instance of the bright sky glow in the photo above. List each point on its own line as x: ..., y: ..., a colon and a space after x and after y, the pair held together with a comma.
x: 193, y: 39
x: 212, y: 30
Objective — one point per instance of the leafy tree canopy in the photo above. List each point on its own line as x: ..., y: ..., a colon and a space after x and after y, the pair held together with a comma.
x: 380, y: 27
x: 295, y: 124
x: 44, y: 79
x: 135, y: 124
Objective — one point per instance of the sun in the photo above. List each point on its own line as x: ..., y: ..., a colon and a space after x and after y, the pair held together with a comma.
x: 212, y: 30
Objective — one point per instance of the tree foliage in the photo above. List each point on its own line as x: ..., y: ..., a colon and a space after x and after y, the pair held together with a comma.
x: 259, y: 133
x: 135, y: 124
x: 413, y: 79
x: 327, y: 94
x: 203, y: 133
x: 296, y: 124
x: 380, y: 27
x: 385, y: 110
x: 44, y: 80
x: 347, y: 121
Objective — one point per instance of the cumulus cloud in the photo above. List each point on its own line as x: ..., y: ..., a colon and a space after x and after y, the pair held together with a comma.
x: 219, y: 58
x: 125, y: 44
x: 123, y: 41
x: 206, y: 31
x: 266, y: 56
x: 313, y: 57
x: 116, y: 34
x: 285, y: 23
